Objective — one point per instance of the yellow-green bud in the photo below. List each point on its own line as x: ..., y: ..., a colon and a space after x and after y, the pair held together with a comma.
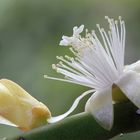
x: 19, y: 108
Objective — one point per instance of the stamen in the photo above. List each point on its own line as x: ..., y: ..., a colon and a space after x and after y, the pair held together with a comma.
x: 74, y: 76
x: 54, y: 67
x: 101, y: 52
x: 69, y: 58
x: 73, y: 65
x: 68, y: 81
x: 61, y: 65
x: 73, y: 51
x: 96, y: 63
x: 106, y: 47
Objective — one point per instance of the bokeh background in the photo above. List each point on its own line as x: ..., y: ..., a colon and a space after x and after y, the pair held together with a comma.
x: 30, y: 31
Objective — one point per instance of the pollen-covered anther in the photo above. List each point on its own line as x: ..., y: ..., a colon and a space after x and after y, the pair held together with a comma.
x: 109, y: 32
x: 59, y: 57
x: 106, y: 17
x: 69, y: 58
x: 54, y: 66
x: 122, y: 22
x: 60, y: 63
x: 86, y: 30
x: 116, y: 22
x: 120, y: 18
x: 93, y: 32
x: 98, y: 25
x: 102, y: 30
x: 73, y: 51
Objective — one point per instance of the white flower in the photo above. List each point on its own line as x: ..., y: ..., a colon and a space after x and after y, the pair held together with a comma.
x: 99, y: 65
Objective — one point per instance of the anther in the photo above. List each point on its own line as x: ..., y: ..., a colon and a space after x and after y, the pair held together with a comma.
x: 102, y: 30
x: 120, y: 18
x: 98, y: 26
x: 106, y: 17
x: 61, y: 63
x: 116, y: 22
x: 59, y: 57
x: 54, y: 67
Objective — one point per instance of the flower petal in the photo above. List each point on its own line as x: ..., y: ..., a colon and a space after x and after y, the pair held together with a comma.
x: 129, y: 83
x: 6, y: 122
x: 78, y: 30
x: 134, y: 67
x: 76, y: 102
x: 100, y: 106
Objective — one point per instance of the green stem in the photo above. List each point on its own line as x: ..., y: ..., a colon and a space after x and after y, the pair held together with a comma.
x: 83, y: 126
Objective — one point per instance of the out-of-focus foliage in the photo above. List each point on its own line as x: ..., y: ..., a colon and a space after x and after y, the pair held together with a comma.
x: 30, y: 31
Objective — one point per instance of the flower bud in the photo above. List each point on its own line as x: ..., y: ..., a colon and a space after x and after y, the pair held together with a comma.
x: 18, y: 108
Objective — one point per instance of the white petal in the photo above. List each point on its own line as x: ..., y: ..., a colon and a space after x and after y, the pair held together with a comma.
x: 76, y: 102
x: 129, y: 83
x: 134, y: 67
x: 77, y: 31
x: 6, y: 122
x: 66, y: 41
x: 100, y: 106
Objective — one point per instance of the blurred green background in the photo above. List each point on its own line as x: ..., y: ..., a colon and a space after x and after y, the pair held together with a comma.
x: 30, y: 31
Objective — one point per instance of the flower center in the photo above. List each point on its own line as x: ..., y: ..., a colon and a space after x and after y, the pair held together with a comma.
x: 117, y: 94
